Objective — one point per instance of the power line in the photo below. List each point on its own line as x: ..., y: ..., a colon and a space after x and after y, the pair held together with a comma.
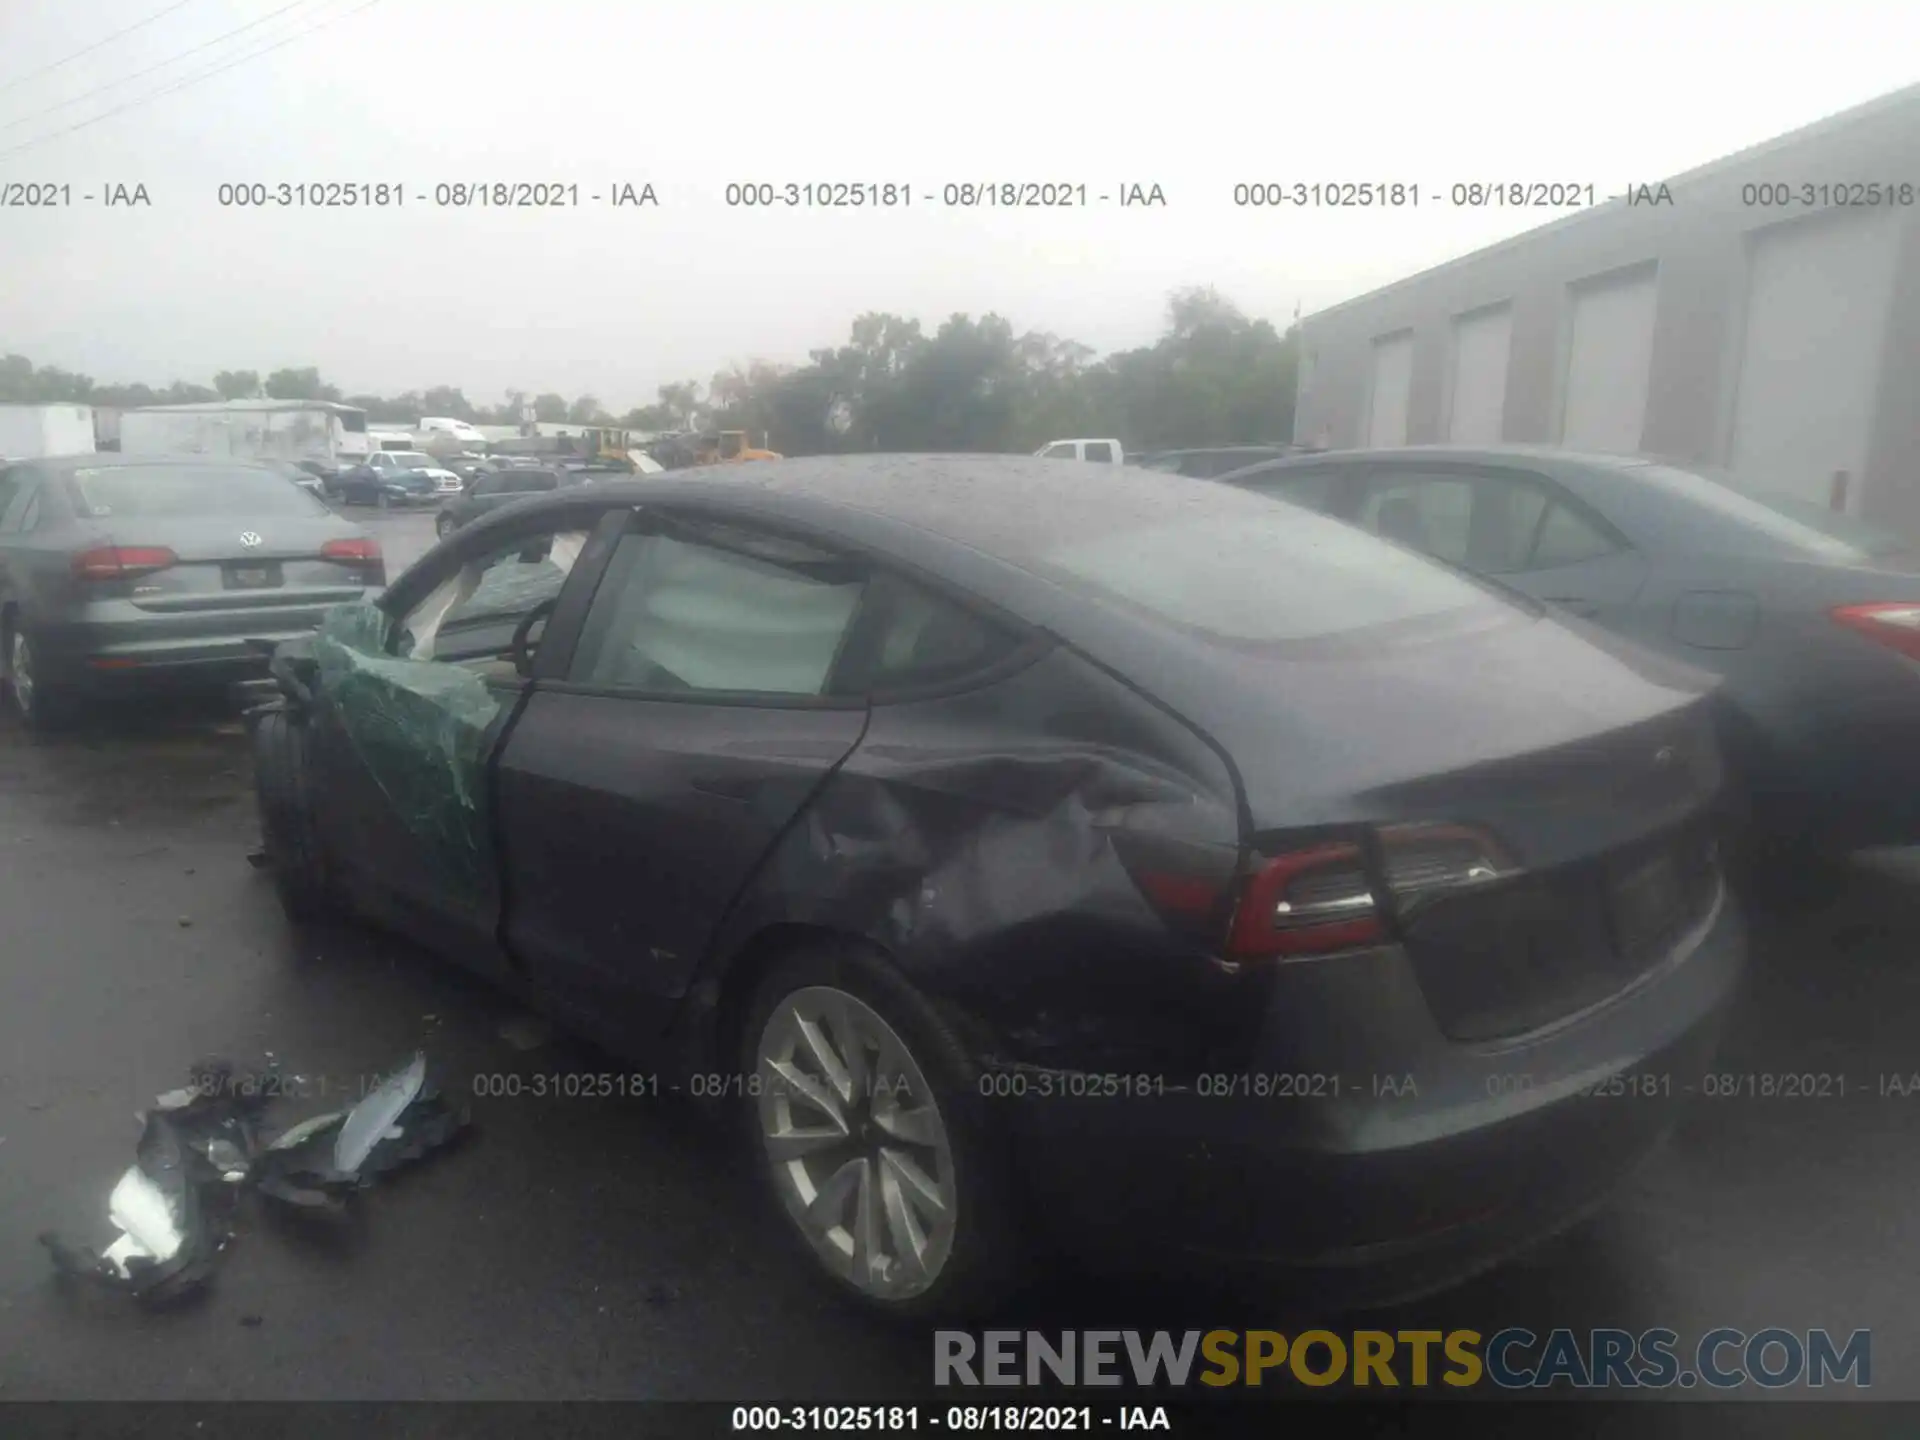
x: 170, y: 60
x: 189, y: 81
x: 45, y: 69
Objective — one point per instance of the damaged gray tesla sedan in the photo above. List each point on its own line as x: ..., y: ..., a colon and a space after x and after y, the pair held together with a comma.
x: 1040, y: 860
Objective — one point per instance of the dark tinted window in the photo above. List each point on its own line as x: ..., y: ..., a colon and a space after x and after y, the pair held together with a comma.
x: 1496, y: 523
x: 103, y: 491
x: 14, y: 511
x: 1311, y: 488
x: 1567, y: 538
x: 1101, y: 451
x: 1265, y: 574
x: 711, y: 608
x: 913, y: 638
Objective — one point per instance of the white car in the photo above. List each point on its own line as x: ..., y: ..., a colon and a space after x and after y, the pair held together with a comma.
x: 1099, y: 452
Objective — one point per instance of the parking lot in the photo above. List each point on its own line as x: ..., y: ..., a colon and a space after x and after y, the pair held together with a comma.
x: 603, y: 1248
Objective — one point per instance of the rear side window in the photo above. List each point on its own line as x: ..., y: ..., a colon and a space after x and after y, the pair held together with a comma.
x: 157, y: 491
x: 1281, y: 575
x: 908, y: 638
x: 1493, y: 523
x: 1099, y: 450
x: 718, y: 610
x: 1567, y: 538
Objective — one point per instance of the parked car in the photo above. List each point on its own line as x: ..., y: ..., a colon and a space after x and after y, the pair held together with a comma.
x: 1207, y: 464
x: 396, y: 477
x: 1813, y: 626
x: 299, y: 475
x: 493, y: 488
x: 1100, y: 452
x: 1010, y: 837
x: 120, y: 572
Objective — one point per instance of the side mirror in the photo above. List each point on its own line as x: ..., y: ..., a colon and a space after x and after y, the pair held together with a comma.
x: 522, y: 647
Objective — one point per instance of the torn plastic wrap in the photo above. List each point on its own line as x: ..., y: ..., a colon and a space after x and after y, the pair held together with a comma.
x: 174, y: 1207
x: 201, y: 1145
x: 419, y: 729
x: 317, y: 1163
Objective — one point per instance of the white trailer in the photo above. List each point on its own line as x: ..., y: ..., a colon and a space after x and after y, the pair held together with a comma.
x: 249, y: 430
x: 30, y: 432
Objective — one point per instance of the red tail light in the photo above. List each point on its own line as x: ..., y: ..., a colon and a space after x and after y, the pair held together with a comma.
x: 1328, y: 896
x: 1895, y: 625
x: 359, y: 550
x: 118, y: 562
x: 1306, y: 902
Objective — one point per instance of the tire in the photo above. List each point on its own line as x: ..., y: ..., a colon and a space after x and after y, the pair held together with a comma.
x: 283, y: 789
x: 966, y: 1265
x: 443, y: 526
x: 40, y: 707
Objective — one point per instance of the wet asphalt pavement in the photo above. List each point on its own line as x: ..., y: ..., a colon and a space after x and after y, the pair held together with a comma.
x: 607, y: 1248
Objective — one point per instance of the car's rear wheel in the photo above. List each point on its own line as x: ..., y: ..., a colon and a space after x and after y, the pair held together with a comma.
x: 283, y: 788
x: 41, y: 705
x: 867, y: 1122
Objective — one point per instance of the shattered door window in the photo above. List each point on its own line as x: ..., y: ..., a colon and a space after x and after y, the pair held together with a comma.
x: 473, y: 614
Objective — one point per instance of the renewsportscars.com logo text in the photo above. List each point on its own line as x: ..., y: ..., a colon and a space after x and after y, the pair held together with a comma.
x: 1510, y: 1359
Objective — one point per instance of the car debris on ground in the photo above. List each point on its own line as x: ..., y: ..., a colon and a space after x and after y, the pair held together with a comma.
x: 202, y: 1146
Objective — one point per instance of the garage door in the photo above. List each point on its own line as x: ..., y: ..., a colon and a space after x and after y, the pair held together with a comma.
x: 1479, y: 376
x: 1609, y: 356
x: 1817, y: 298
x: 1390, y: 389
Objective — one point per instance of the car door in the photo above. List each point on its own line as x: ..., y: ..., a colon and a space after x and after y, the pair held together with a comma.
x: 408, y: 719
x: 1512, y: 525
x: 657, y: 763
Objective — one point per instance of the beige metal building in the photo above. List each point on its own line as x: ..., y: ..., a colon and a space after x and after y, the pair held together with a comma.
x: 1762, y: 315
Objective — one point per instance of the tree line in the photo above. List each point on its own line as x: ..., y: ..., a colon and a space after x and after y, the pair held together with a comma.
x: 1215, y: 376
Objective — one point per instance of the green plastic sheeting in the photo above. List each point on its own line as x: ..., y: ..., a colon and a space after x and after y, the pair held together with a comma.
x: 420, y: 730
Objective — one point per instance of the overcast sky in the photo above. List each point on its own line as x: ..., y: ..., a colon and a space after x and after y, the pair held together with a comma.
x: 1193, y: 96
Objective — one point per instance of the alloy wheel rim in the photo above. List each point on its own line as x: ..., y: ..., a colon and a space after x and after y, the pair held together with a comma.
x: 20, y: 671
x: 858, y: 1148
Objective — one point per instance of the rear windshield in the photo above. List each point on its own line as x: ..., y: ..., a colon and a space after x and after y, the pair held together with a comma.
x: 105, y: 491
x: 1275, y: 574
x: 1759, y: 524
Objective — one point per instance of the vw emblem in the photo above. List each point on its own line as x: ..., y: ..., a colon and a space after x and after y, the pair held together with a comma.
x: 250, y: 540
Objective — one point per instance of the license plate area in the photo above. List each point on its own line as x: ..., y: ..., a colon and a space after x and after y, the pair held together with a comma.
x: 265, y: 575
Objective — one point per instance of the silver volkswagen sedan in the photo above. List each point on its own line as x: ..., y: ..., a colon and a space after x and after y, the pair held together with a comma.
x: 122, y: 573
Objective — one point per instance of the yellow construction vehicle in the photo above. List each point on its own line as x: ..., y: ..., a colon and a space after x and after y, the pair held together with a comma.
x: 729, y: 446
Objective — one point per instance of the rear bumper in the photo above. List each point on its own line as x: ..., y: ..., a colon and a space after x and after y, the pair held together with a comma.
x: 1364, y: 1158
x: 211, y: 650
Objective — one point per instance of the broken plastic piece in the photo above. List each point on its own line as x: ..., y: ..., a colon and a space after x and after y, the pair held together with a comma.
x: 376, y: 1114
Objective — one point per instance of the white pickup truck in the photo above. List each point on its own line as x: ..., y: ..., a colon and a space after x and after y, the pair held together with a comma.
x: 1098, y: 452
